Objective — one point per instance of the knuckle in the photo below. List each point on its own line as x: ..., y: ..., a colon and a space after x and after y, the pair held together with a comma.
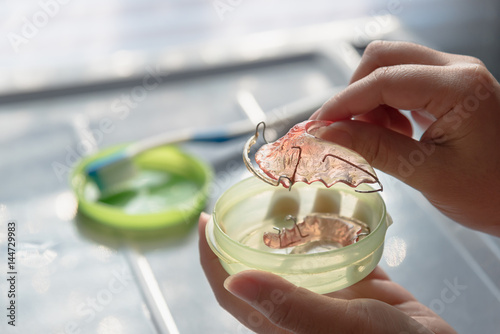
x: 373, y: 51
x: 384, y: 74
x: 474, y: 60
x: 375, y: 47
x: 474, y: 72
x: 378, y: 49
x: 481, y: 74
x: 477, y: 75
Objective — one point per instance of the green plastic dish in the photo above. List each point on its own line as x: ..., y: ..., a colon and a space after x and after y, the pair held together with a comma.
x: 169, y: 190
x: 251, y: 207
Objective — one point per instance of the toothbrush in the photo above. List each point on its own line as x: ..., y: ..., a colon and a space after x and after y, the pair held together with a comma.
x: 110, y: 172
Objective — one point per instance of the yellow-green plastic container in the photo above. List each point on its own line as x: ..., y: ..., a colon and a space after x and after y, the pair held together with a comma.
x: 171, y: 191
x: 251, y: 207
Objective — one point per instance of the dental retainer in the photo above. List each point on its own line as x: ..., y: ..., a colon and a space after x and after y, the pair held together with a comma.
x: 321, y: 238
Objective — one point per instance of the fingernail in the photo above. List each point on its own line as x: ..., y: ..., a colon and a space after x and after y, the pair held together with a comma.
x: 204, y: 216
x: 337, y: 132
x: 243, y: 288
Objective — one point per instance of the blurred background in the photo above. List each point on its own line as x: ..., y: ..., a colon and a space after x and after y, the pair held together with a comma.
x: 67, y: 65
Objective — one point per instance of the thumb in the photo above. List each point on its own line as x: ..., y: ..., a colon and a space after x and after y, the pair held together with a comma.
x: 393, y: 153
x: 299, y: 310
x: 290, y: 307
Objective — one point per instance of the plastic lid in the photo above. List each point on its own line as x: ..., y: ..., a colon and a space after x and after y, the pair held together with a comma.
x: 170, y: 189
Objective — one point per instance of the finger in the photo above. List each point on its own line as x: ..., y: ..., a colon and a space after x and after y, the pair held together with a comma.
x: 398, y: 155
x: 386, y: 53
x: 389, y: 118
x: 400, y: 63
x: 209, y: 261
x: 377, y: 285
x: 390, y: 53
x: 284, y: 304
x: 377, y: 273
x: 406, y: 87
x: 216, y: 276
x: 380, y: 289
x: 302, y: 311
x: 426, y: 317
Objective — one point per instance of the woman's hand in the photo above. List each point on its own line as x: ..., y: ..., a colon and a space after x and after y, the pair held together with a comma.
x: 267, y: 303
x: 456, y: 163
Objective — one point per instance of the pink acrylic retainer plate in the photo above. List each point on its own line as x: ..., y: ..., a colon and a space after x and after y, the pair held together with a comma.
x: 318, y: 229
x: 299, y: 156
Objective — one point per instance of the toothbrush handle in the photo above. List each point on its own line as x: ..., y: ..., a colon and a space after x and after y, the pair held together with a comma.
x: 217, y: 135
x: 298, y: 108
x: 222, y: 134
x: 213, y: 136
